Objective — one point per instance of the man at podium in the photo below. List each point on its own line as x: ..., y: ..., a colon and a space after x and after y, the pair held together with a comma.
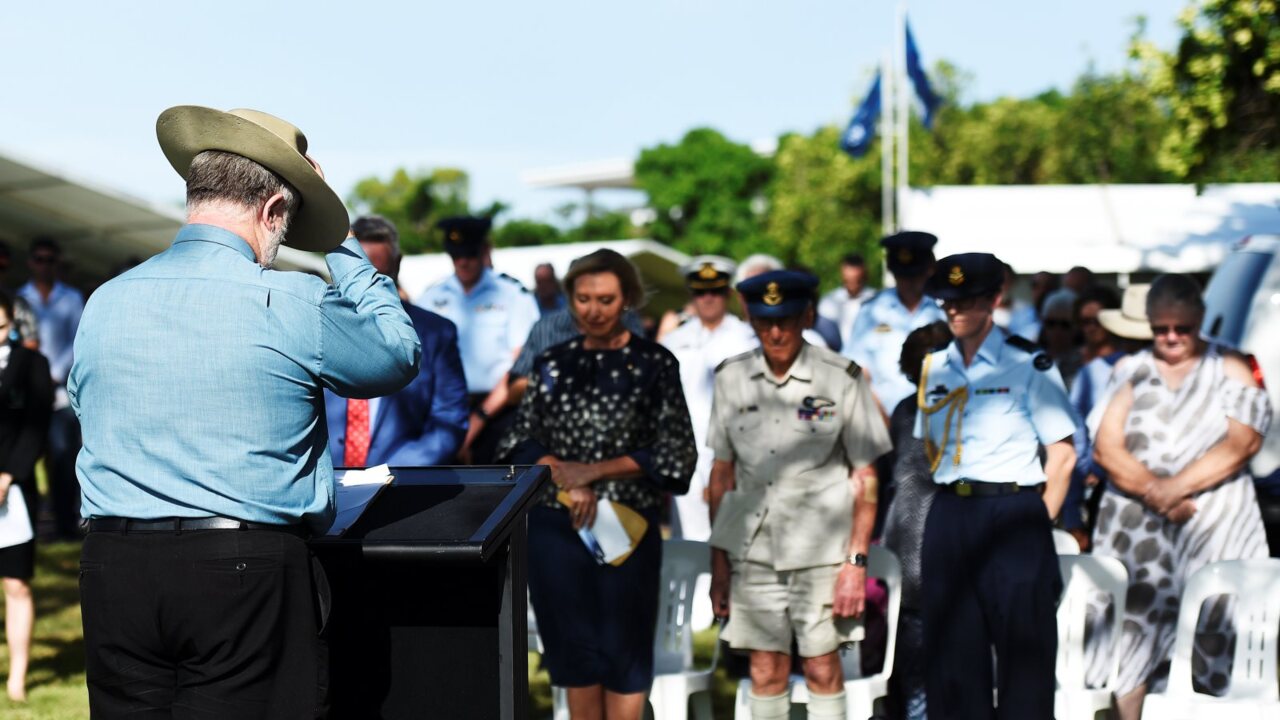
x: 205, y: 464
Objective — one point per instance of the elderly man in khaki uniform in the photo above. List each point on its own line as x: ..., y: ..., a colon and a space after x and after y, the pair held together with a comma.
x: 795, y: 431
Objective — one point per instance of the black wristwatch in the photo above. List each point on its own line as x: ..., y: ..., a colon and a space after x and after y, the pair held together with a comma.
x: 479, y: 411
x: 857, y: 560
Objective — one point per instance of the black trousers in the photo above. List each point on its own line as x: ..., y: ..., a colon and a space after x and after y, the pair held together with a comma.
x: 990, y: 579
x: 203, y: 625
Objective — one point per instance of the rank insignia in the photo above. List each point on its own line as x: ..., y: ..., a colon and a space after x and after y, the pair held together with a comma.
x: 771, y: 294
x: 956, y: 277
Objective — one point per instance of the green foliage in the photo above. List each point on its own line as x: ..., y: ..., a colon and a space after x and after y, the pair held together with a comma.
x: 524, y: 233
x: 414, y: 202
x: 707, y: 192
x: 822, y: 205
x: 1222, y: 88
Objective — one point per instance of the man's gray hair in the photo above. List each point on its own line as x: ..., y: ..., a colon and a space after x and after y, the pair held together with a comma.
x: 755, y: 265
x: 218, y: 177
x: 377, y: 229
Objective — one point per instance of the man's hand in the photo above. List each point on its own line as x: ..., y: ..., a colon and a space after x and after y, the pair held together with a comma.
x: 1164, y: 495
x: 6, y: 480
x: 851, y: 592
x: 582, y: 507
x: 720, y: 573
x: 569, y: 475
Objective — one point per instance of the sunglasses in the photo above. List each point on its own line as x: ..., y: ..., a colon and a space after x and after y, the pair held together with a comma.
x: 1089, y: 322
x: 1059, y: 324
x: 712, y: 291
x: 1159, y: 330
x: 43, y: 259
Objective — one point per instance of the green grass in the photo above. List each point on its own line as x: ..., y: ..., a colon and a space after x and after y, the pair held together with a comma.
x: 55, y: 683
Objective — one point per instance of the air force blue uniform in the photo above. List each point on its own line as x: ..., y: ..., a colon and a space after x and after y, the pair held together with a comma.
x: 424, y: 423
x: 493, y: 321
x: 879, y: 331
x: 990, y: 571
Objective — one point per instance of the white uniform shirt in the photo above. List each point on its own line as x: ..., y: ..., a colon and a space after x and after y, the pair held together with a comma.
x: 700, y: 351
x: 842, y: 309
x: 493, y: 322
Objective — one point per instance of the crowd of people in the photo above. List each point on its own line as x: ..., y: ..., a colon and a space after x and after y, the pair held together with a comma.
x: 939, y: 416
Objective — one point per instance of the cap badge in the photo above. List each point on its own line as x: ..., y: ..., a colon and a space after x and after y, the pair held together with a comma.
x: 771, y: 294
x: 455, y: 236
x: 708, y: 272
x: 905, y: 257
x: 956, y: 277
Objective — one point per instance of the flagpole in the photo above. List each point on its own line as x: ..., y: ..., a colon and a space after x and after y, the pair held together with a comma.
x: 901, y: 86
x: 886, y: 143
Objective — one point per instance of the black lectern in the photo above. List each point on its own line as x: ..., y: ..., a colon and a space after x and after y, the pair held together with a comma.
x: 428, y: 617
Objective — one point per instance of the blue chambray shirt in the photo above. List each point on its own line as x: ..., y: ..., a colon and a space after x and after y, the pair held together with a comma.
x: 1013, y: 409
x: 198, y: 380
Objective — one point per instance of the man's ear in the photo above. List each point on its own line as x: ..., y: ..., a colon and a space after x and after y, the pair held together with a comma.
x: 274, y: 210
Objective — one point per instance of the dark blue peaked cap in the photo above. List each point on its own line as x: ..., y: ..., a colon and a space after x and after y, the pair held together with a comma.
x: 966, y: 275
x: 778, y: 293
x: 464, y: 235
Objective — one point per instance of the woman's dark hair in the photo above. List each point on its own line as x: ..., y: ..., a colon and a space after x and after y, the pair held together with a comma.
x: 921, y: 342
x: 1104, y: 296
x: 608, y: 261
x: 1174, y: 289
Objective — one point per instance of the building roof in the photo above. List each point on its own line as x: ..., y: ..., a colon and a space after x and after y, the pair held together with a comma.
x: 1107, y: 228
x: 99, y: 229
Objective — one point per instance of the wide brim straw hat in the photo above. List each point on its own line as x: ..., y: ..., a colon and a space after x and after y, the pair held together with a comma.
x: 1130, y: 321
x: 320, y: 222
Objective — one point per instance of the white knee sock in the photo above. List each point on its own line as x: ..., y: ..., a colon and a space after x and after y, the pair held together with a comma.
x: 826, y: 707
x: 772, y: 707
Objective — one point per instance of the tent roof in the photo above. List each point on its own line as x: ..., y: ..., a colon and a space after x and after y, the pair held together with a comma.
x: 659, y: 267
x: 1107, y: 228
x: 99, y: 228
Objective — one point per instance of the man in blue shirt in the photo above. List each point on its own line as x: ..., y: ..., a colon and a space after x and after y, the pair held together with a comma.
x: 494, y: 316
x: 883, y: 322
x: 422, y: 424
x: 988, y: 402
x: 198, y: 382
x: 57, y: 308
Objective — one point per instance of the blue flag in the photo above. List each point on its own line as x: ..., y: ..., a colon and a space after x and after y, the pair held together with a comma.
x: 915, y: 70
x: 862, y: 128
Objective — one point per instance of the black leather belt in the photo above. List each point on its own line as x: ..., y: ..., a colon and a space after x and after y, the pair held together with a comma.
x: 179, y: 525
x: 977, y: 488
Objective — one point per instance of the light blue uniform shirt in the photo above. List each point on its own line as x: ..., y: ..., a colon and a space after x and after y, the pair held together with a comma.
x: 879, y: 330
x: 57, y: 319
x: 198, y: 378
x: 493, y: 321
x: 1013, y: 408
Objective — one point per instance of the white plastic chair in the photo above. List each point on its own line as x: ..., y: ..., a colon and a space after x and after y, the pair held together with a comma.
x: 1082, y: 577
x: 861, y: 693
x: 676, y: 682
x: 1254, y: 693
x: 1064, y: 543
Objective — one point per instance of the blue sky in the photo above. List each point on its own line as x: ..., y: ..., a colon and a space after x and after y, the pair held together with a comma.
x: 499, y: 88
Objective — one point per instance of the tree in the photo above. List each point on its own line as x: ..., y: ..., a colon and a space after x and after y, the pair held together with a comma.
x: 413, y: 203
x: 823, y: 204
x: 1222, y: 87
x: 707, y: 192
x: 524, y: 233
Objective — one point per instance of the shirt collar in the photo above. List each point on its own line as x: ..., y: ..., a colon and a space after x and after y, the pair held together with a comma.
x: 486, y: 278
x: 988, y: 351
x: 801, y: 369
x: 217, y: 236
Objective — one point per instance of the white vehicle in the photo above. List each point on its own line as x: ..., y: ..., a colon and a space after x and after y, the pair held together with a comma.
x: 1242, y: 312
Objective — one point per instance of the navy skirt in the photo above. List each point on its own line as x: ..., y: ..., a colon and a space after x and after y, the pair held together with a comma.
x: 596, y: 621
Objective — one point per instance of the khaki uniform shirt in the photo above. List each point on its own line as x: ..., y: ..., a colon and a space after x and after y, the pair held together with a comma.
x: 793, y: 442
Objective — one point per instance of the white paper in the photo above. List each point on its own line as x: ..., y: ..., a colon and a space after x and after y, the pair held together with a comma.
x: 354, y: 490
x: 15, y: 523
x: 611, y: 539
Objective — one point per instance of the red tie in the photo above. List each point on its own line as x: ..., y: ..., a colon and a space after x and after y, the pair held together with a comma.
x: 357, y: 447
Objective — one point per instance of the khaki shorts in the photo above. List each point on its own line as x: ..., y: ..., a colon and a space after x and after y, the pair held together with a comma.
x: 767, y: 607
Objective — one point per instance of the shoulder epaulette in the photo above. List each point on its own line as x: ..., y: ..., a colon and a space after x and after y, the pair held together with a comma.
x: 513, y: 280
x: 854, y: 370
x: 733, y: 359
x: 1022, y: 344
x: 849, y: 367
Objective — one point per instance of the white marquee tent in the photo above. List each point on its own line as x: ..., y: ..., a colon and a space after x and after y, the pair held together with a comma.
x: 1107, y: 228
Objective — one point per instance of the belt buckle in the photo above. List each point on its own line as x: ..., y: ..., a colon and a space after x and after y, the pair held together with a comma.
x: 964, y: 489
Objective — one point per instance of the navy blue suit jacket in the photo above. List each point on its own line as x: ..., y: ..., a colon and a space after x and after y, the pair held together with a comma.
x: 424, y: 423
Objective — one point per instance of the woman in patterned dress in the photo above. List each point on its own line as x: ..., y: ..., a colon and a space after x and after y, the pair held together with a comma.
x: 1175, y: 439
x: 606, y: 412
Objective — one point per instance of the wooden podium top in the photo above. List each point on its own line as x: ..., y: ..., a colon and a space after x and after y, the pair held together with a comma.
x: 444, y: 514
